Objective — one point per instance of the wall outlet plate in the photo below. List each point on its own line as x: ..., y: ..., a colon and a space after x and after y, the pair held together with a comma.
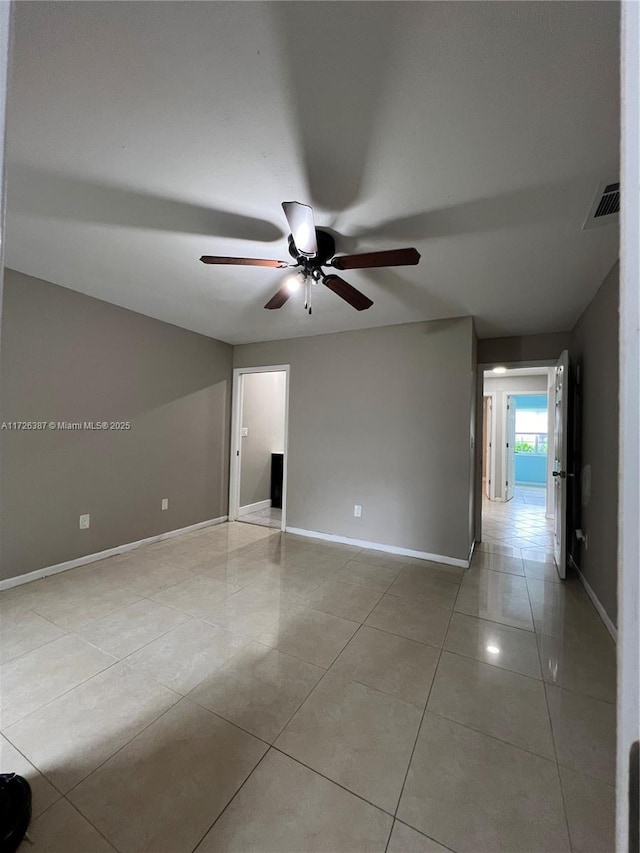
x: 165, y: 503
x: 244, y: 432
x: 85, y: 521
x: 357, y: 511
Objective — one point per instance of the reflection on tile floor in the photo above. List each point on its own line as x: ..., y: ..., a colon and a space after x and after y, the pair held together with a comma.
x: 237, y: 689
x: 270, y: 517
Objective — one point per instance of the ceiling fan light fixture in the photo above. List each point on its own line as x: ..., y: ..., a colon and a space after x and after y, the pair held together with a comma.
x: 312, y: 249
x: 303, y: 227
x: 295, y: 281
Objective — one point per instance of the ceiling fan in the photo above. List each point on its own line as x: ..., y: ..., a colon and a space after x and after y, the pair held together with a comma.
x: 313, y: 249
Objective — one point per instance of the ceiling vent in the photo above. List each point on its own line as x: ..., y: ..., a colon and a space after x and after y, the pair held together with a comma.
x: 605, y: 208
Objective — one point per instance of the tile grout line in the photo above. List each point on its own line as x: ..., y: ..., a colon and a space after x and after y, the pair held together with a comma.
x: 150, y: 723
x: 494, y: 737
x: 37, y: 648
x: 64, y: 693
x: 488, y: 663
x: 333, y: 781
x: 544, y: 686
x: 133, y: 737
x: 555, y: 752
x: 100, y: 833
x: 270, y: 747
x: 417, y: 737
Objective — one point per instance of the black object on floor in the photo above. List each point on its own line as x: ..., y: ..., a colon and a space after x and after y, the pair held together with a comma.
x: 15, y: 811
x: 277, y: 464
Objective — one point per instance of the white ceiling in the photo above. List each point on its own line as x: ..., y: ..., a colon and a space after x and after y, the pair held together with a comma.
x: 143, y: 135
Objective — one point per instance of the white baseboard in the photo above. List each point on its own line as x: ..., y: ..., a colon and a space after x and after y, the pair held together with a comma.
x: 256, y: 507
x: 9, y: 583
x: 602, y: 613
x: 377, y: 546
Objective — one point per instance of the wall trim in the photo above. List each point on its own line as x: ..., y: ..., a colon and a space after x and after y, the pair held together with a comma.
x: 602, y: 613
x: 471, y: 550
x: 245, y: 510
x: 9, y: 583
x: 377, y: 546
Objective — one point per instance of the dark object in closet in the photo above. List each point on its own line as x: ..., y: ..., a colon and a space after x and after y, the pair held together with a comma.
x: 277, y: 461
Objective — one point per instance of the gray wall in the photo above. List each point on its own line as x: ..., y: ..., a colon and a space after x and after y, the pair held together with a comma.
x: 529, y: 348
x: 5, y: 25
x: 594, y: 346
x: 263, y: 412
x: 380, y: 418
x: 69, y: 357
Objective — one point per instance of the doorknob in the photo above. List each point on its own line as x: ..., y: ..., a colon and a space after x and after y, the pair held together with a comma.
x: 561, y: 474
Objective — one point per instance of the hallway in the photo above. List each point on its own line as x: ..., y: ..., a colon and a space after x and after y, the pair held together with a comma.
x: 513, y: 581
x: 519, y: 523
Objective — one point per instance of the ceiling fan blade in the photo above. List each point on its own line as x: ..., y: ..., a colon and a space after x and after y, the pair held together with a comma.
x: 392, y: 258
x: 303, y: 228
x: 278, y: 299
x: 244, y: 262
x: 343, y: 289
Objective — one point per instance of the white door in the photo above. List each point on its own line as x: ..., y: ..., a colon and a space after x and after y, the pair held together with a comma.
x: 510, y: 449
x: 560, y: 463
x: 488, y: 450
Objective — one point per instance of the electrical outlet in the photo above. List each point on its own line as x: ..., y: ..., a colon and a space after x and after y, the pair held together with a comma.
x: 244, y: 432
x: 84, y: 521
x: 357, y: 511
x: 165, y: 503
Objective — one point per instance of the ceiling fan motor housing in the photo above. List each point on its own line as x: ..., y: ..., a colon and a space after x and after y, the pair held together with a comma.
x: 326, y: 251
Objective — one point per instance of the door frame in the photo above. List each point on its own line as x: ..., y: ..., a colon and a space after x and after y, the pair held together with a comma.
x: 550, y: 508
x: 628, y: 653
x: 505, y: 469
x: 236, y: 438
x: 492, y: 438
x: 560, y: 486
x: 480, y: 393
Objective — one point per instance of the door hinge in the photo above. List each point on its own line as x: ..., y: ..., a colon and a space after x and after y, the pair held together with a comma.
x: 237, y: 453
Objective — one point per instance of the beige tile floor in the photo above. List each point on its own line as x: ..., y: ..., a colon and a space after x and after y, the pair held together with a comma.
x: 270, y: 517
x: 235, y: 689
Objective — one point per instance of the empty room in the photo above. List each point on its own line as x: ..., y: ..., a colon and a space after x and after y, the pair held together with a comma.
x: 311, y: 428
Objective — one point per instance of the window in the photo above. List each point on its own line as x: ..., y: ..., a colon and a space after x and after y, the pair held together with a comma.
x: 531, y: 431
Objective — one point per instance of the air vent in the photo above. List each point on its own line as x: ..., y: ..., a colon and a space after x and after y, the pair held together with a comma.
x: 605, y: 208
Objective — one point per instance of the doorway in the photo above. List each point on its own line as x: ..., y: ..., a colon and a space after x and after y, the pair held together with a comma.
x: 258, y: 474
x: 517, y: 491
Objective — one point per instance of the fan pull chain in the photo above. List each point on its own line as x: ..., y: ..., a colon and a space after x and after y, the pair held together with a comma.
x: 307, y: 295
